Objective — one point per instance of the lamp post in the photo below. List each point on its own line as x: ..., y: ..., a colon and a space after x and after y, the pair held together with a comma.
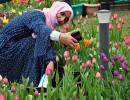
x: 103, y: 17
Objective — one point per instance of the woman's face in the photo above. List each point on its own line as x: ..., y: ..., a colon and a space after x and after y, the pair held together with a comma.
x: 63, y: 17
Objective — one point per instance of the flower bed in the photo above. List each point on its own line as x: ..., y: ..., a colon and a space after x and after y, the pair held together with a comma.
x: 83, y: 59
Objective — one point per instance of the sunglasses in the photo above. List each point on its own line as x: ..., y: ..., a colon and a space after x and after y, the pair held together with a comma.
x: 66, y: 19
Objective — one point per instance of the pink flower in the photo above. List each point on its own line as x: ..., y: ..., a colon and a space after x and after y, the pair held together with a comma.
x: 24, y: 1
x: 93, y: 60
x: 119, y: 26
x: 13, y: 89
x: 115, y: 44
x: 1, y: 78
x: 94, y: 13
x: 16, y: 98
x: 74, y: 58
x: 114, y: 16
x: 110, y: 26
x: 2, y: 97
x: 127, y: 39
x: 83, y: 65
x: 49, y: 70
x: 88, y: 63
x: 98, y: 75
x: 67, y: 55
x: 36, y: 93
x: 5, y: 81
x: 39, y: 1
x: 66, y: 27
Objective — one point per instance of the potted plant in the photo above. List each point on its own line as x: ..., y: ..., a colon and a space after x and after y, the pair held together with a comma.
x: 92, y: 6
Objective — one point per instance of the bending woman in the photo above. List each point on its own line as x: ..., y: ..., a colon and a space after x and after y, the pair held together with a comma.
x: 25, y: 42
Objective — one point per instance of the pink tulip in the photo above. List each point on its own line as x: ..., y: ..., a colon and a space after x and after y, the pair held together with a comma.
x: 36, y: 93
x: 66, y: 54
x: 110, y: 26
x: 93, y: 60
x: 49, y: 70
x: 83, y: 65
x: 5, y: 81
x: 127, y: 39
x: 114, y: 16
x: 115, y: 44
x: 16, y: 98
x: 119, y: 26
x: 2, y: 97
x: 98, y: 75
x: 1, y: 78
x: 94, y: 13
x: 88, y: 63
x: 74, y: 58
x: 66, y: 27
x: 13, y: 89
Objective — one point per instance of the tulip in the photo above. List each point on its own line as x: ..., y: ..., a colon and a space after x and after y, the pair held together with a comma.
x: 74, y: 58
x: 110, y: 26
x: 16, y: 98
x: 87, y: 42
x: 119, y: 26
x: 1, y: 78
x: 2, y: 97
x: 93, y: 60
x: 5, y: 20
x: 98, y: 75
x: 116, y: 73
x: 88, y: 63
x: 66, y: 54
x: 49, y: 70
x: 13, y: 89
x: 120, y: 77
x: 66, y: 27
x: 5, y: 81
x: 113, y: 83
x: 36, y: 93
x: 124, y: 66
x: 83, y: 65
x: 102, y: 67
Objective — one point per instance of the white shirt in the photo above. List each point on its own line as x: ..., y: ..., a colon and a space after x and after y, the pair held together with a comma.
x: 55, y: 35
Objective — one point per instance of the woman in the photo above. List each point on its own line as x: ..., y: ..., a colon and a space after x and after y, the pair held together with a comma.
x: 23, y: 53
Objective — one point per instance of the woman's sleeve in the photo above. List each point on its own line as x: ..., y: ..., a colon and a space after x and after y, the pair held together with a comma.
x: 42, y: 46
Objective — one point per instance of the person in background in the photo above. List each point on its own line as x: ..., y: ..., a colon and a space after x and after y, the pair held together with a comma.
x: 25, y: 42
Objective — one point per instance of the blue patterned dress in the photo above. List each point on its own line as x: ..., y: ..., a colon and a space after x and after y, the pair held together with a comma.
x: 22, y: 55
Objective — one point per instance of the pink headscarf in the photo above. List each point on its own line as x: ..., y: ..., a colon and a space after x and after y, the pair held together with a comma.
x: 56, y: 7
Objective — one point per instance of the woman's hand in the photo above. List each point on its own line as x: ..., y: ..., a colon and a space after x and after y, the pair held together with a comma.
x: 67, y: 39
